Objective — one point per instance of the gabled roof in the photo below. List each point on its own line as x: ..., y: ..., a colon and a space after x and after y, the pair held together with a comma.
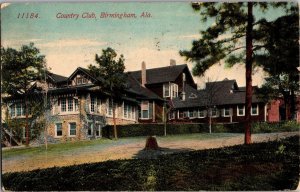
x: 161, y: 74
x: 135, y: 87
x: 86, y: 72
x: 216, y: 93
x: 57, y: 78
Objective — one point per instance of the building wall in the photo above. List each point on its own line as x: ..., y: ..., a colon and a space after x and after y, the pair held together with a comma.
x: 81, y: 119
x: 273, y: 111
x: 221, y: 119
x: 65, y: 120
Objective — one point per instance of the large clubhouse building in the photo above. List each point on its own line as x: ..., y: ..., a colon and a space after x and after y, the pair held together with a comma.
x: 79, y: 108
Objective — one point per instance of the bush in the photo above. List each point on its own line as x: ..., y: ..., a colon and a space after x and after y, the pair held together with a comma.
x: 133, y: 130
x: 154, y: 129
x: 267, y: 127
x: 259, y: 166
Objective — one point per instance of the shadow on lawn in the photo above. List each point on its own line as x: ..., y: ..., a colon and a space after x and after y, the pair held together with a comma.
x: 153, y: 154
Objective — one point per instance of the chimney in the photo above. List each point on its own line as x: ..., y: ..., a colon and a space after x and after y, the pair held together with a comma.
x: 172, y: 62
x: 143, y: 72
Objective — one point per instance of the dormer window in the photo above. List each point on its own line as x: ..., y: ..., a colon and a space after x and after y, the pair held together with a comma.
x: 193, y: 96
x: 81, y: 80
x: 170, y: 90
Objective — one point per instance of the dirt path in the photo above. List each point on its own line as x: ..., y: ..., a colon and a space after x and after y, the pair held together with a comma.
x: 128, y: 151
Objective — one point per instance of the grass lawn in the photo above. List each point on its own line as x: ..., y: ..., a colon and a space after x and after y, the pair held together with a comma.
x: 260, y: 166
x: 54, y: 149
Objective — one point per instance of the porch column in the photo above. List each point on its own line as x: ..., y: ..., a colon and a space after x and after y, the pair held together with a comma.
x: 153, y: 111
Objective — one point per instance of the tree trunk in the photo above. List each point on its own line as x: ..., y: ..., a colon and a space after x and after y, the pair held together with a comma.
x: 26, y: 122
x: 114, y: 120
x: 287, y: 106
x: 293, y: 104
x: 249, y: 59
x: 210, y: 113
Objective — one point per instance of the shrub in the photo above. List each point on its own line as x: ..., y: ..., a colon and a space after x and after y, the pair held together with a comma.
x: 154, y: 129
x: 257, y: 167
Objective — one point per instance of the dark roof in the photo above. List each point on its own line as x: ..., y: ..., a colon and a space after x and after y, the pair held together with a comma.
x: 215, y: 93
x: 70, y: 89
x: 87, y: 72
x: 57, y: 78
x: 161, y: 74
x: 135, y: 87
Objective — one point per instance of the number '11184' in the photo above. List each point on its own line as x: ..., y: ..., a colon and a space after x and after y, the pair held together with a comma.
x: 28, y: 15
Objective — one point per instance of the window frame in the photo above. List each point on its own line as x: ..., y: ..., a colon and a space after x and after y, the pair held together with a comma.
x: 109, y: 108
x: 214, y: 110
x: 93, y: 105
x: 224, y: 111
x: 56, y: 135
x: 199, y: 113
x: 257, y: 110
x: 174, y: 90
x: 238, y: 111
x: 69, y: 124
x: 148, y: 110
x: 166, y: 85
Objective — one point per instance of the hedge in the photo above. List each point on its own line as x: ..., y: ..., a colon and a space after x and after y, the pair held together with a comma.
x: 154, y: 129
x: 133, y: 130
x: 256, y: 167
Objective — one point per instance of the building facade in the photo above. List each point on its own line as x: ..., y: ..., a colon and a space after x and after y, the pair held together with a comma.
x: 78, y: 108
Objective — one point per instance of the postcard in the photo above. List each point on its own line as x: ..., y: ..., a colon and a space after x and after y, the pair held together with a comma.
x: 140, y: 96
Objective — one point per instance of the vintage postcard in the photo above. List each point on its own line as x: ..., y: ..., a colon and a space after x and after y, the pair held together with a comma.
x: 150, y: 96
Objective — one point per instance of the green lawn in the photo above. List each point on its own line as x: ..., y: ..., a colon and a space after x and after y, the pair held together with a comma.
x: 54, y: 149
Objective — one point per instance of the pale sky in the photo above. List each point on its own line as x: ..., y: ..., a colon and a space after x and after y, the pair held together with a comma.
x: 69, y: 43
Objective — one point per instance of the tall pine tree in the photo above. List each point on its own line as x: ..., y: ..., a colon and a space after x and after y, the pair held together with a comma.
x: 20, y: 69
x: 234, y: 37
x: 111, y: 69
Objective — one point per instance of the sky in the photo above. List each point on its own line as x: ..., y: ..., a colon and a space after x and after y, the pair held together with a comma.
x: 72, y: 42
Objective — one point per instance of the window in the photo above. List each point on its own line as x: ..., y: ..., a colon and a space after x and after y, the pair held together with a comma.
x: 72, y: 129
x: 12, y: 110
x: 68, y: 104
x: 17, y: 110
x: 58, y: 129
x: 63, y: 105
x: 110, y: 108
x: 125, y: 112
x: 192, y: 114
x: 240, y: 110
x: 183, y: 114
x: 226, y: 112
x: 172, y: 115
x: 93, y: 104
x: 174, y: 88
x: 76, y: 104
x: 170, y: 90
x: 81, y: 80
x: 193, y: 96
x: 145, y: 110
x: 166, y: 89
x: 201, y: 113
x: 254, y: 109
x: 128, y: 111
x: 214, y: 112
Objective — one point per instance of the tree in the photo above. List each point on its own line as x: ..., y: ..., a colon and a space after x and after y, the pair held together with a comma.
x: 111, y: 69
x: 232, y: 38
x: 281, y: 59
x: 20, y: 69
